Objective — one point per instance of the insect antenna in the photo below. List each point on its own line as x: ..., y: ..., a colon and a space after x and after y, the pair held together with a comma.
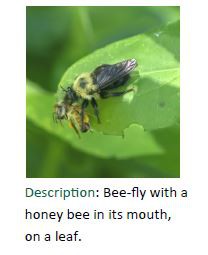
x: 65, y: 90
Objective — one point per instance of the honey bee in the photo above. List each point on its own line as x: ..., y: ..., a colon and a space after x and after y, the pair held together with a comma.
x: 74, y: 117
x: 72, y: 113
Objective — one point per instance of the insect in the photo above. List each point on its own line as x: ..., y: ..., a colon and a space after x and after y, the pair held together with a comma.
x: 74, y: 117
x: 72, y: 113
x: 88, y: 87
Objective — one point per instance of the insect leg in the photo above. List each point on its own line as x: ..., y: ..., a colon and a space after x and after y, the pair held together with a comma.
x: 106, y: 94
x: 84, y: 105
x: 74, y: 127
x: 54, y: 117
x: 60, y: 121
x: 95, y: 107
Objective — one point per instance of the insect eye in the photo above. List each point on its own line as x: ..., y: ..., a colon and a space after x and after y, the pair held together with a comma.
x: 60, y: 111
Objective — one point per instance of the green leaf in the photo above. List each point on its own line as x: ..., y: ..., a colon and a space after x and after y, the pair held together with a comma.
x: 48, y: 156
x: 135, y: 142
x: 156, y: 101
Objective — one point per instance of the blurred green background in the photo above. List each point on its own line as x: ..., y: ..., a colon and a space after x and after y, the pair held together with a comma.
x: 56, y: 38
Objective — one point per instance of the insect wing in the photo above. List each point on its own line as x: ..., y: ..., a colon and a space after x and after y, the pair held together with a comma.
x: 105, y: 75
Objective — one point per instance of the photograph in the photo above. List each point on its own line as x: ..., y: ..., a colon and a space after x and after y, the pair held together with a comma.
x: 103, y: 92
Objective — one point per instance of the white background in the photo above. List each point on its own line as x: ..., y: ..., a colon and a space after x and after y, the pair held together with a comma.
x: 186, y: 234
